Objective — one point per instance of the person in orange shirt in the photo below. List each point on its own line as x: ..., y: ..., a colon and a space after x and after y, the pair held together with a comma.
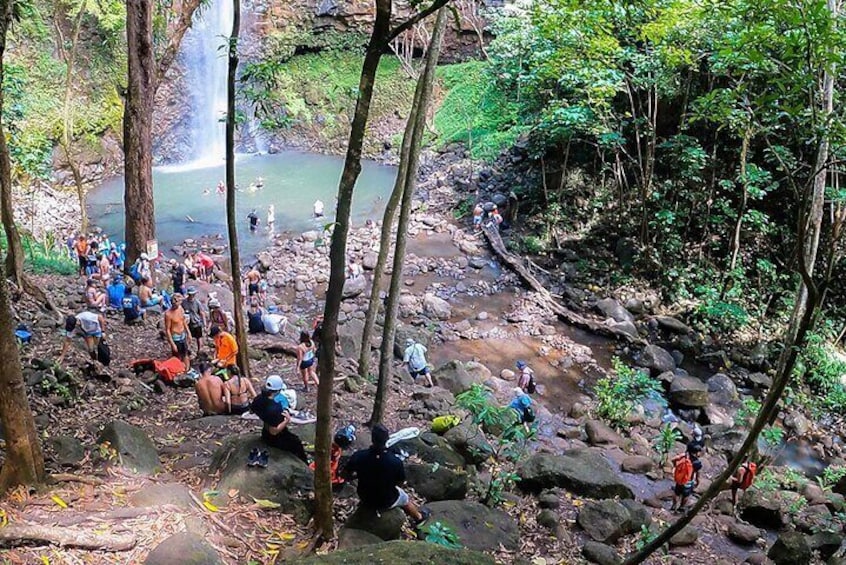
x: 82, y: 253
x: 225, y: 348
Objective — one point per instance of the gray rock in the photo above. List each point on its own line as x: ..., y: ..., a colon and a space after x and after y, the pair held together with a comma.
x: 600, y: 553
x: 436, y: 482
x: 689, y: 392
x: 135, y: 450
x: 469, y: 441
x: 454, y: 377
x: 549, y: 499
x: 721, y: 389
x: 744, y: 534
x: 183, y: 548
x: 657, y: 359
x: 791, y: 548
x: 477, y: 526
x: 613, y: 309
x: 405, y: 552
x: 763, y: 509
x: 349, y: 334
x: 349, y: 538
x: 68, y: 450
x: 605, y: 521
x: 759, y: 380
x: 160, y: 494
x: 286, y: 480
x: 684, y: 538
x: 673, y: 325
x: 639, y: 513
x: 580, y: 471
x: 718, y: 416
x: 599, y: 433
x: 369, y: 260
x: 436, y: 307
x: 637, y: 464
x: 826, y: 543
x: 432, y: 448
x: 354, y: 287
x: 385, y: 525
x: 627, y: 328
x: 548, y: 519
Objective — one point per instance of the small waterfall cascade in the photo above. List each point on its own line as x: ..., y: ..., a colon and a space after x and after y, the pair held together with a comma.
x: 206, y: 58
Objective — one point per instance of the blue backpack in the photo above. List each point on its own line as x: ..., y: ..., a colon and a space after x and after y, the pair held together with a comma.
x: 23, y: 334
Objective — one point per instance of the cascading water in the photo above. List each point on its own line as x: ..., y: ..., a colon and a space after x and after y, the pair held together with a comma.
x: 206, y: 59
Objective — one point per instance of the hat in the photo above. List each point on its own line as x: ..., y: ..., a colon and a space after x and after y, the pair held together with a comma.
x: 697, y: 433
x: 521, y: 365
x: 172, y: 261
x: 409, y: 342
x: 191, y: 291
x: 379, y: 435
x: 144, y: 256
x: 214, y: 303
x: 274, y: 383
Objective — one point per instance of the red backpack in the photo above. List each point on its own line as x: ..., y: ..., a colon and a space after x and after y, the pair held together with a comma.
x: 169, y: 369
x: 683, y: 472
x: 749, y: 471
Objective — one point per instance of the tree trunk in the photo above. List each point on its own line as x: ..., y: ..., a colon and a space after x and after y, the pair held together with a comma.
x: 231, y: 222
x: 744, y: 197
x: 323, y: 518
x: 168, y: 56
x: 24, y: 461
x: 417, y: 116
x: 14, y: 249
x: 139, y: 210
x: 385, y: 245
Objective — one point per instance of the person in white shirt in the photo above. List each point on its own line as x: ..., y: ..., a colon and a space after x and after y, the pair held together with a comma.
x: 89, y: 324
x: 271, y: 216
x: 415, y: 360
x: 318, y: 208
x: 354, y: 270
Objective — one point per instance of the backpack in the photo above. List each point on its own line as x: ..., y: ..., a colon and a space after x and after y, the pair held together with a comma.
x: 23, y: 334
x: 104, y: 353
x: 749, y: 471
x: 683, y: 472
x: 442, y: 424
x: 169, y: 369
x: 528, y: 415
x: 531, y: 386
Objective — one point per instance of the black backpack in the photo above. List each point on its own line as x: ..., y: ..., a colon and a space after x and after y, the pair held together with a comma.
x: 104, y: 353
x: 528, y: 415
x: 531, y: 386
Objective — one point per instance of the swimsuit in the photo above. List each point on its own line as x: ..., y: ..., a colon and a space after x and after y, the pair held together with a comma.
x: 308, y: 359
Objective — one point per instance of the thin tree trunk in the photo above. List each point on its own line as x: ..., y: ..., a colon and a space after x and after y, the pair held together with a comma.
x: 323, y: 518
x: 168, y: 56
x: 385, y: 246
x: 423, y: 97
x: 744, y: 198
x: 14, y: 249
x: 139, y: 213
x: 231, y: 222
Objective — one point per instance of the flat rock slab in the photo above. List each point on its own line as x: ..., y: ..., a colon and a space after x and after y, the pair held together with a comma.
x: 185, y: 549
x: 477, y: 526
x: 385, y: 525
x: 399, y: 552
x: 580, y: 471
x: 161, y: 494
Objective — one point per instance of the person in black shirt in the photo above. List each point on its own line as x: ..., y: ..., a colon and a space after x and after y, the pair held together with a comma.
x: 379, y: 473
x: 276, y: 418
x: 254, y: 220
x: 177, y: 275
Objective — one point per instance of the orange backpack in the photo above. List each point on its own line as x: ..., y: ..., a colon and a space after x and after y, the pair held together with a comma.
x: 683, y: 472
x: 749, y: 470
x: 169, y: 369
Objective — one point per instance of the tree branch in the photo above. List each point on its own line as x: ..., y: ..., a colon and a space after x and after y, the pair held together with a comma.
x: 409, y: 23
x: 186, y: 16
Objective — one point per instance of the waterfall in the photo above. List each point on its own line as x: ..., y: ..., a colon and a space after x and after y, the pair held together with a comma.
x: 206, y: 58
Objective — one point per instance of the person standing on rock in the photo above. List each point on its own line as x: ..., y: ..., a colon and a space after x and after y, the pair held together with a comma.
x: 685, y: 477
x: 415, y: 361
x: 526, y: 380
x: 196, y: 317
x: 307, y: 360
x: 81, y: 247
x: 380, y: 474
x: 742, y: 479
x: 177, y: 276
x: 478, y: 212
x: 176, y: 330
x: 354, y: 270
x: 252, y: 278
x: 275, y: 419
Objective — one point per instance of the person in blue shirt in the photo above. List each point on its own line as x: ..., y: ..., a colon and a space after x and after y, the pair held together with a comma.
x: 116, y: 291
x: 522, y: 404
x: 131, y: 304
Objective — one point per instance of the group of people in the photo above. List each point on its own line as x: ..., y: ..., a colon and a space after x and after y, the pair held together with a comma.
x: 95, y: 255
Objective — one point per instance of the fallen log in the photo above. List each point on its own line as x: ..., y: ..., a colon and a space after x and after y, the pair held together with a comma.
x: 14, y: 535
x: 545, y: 297
x: 65, y: 519
x: 69, y: 478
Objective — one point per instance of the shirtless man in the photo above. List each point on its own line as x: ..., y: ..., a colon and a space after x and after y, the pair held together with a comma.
x: 176, y: 329
x: 241, y: 393
x: 252, y: 278
x: 212, y: 393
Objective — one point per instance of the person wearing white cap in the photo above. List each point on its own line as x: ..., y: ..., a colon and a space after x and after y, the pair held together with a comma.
x: 415, y: 361
x: 275, y: 419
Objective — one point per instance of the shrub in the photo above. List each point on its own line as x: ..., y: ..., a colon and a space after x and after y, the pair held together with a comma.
x: 620, y: 392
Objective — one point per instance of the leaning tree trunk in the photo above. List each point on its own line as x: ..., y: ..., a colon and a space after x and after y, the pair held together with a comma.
x: 234, y: 252
x: 418, y: 116
x: 14, y: 249
x: 139, y: 210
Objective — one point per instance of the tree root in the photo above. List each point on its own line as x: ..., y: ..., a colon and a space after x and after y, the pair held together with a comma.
x: 69, y: 478
x: 545, y: 298
x: 14, y: 535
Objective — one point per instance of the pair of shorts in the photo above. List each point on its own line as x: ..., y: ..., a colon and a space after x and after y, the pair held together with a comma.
x: 683, y: 490
x: 238, y: 409
x: 306, y: 364
x: 422, y: 372
x: 253, y: 289
x: 98, y: 333
x: 181, y: 345
x: 83, y: 261
x: 402, y: 498
x: 196, y: 330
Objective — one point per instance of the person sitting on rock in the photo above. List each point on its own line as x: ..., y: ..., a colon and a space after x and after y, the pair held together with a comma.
x: 276, y: 418
x: 241, y: 392
x: 115, y: 292
x: 742, y: 479
x: 685, y: 477
x: 225, y: 348
x: 131, y: 306
x: 380, y: 473
x: 255, y: 315
x: 148, y: 297
x: 415, y: 361
x: 214, y: 396
x: 218, y: 317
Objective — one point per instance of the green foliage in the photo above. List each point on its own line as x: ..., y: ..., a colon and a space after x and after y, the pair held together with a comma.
x: 773, y: 439
x: 822, y: 369
x: 618, y: 393
x: 665, y: 441
x: 47, y: 257
x: 831, y: 475
x: 464, y: 208
x: 441, y: 534
x: 532, y: 245
x: 748, y: 410
x: 474, y: 112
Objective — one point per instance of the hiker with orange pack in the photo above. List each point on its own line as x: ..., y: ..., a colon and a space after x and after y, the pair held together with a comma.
x: 742, y: 479
x: 685, y: 476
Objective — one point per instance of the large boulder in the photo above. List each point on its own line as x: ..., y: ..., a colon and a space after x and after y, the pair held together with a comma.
x: 637, y: 464
x: 687, y: 536
x: 349, y: 334
x: 436, y: 308
x: 744, y: 534
x: 67, y: 450
x: 436, y: 482
x: 689, y: 392
x: 763, y: 509
x: 605, y: 521
x: 404, y: 332
x: 673, y: 325
x: 354, y: 287
x: 349, y: 538
x: 600, y: 553
x: 405, y: 552
x: 657, y: 359
x: 135, y: 450
x: 183, y: 548
x: 721, y: 389
x: 470, y: 441
x: 791, y: 548
x: 477, y: 526
x: 599, y: 433
x: 432, y: 402
x: 454, y: 377
x: 826, y: 543
x: 386, y: 525
x: 610, y: 308
x: 286, y: 480
x: 580, y: 471
x: 432, y: 448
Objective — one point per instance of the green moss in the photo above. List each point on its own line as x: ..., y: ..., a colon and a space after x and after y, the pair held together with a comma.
x: 474, y: 112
